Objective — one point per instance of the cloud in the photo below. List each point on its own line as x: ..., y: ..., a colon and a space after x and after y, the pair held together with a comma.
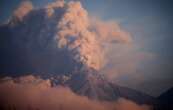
x: 61, y: 36
x: 126, y: 60
x: 29, y: 92
x: 123, y: 104
x: 84, y: 38
x: 23, y: 9
x: 110, y: 31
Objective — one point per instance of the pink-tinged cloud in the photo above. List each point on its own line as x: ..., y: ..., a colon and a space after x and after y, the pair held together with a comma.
x: 29, y: 92
x: 71, y: 29
x: 24, y: 8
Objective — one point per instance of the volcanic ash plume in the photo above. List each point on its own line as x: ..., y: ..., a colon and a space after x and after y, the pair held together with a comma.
x: 84, y: 39
x: 73, y: 34
x: 61, y: 26
x: 23, y: 9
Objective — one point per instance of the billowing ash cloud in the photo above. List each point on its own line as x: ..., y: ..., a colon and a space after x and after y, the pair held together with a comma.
x: 33, y: 93
x: 84, y: 38
x: 65, y: 33
x: 23, y: 9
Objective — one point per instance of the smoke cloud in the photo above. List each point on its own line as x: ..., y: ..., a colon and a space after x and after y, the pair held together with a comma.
x: 24, y: 8
x: 29, y: 92
x: 84, y: 38
x: 61, y: 35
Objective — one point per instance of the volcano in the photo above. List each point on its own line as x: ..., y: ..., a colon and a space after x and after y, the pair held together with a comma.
x: 96, y: 86
x: 59, y: 43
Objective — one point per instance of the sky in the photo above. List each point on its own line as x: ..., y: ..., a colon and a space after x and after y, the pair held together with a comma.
x: 149, y: 62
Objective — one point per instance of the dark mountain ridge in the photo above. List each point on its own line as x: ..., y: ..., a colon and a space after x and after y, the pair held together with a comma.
x: 165, y: 100
x: 96, y: 86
